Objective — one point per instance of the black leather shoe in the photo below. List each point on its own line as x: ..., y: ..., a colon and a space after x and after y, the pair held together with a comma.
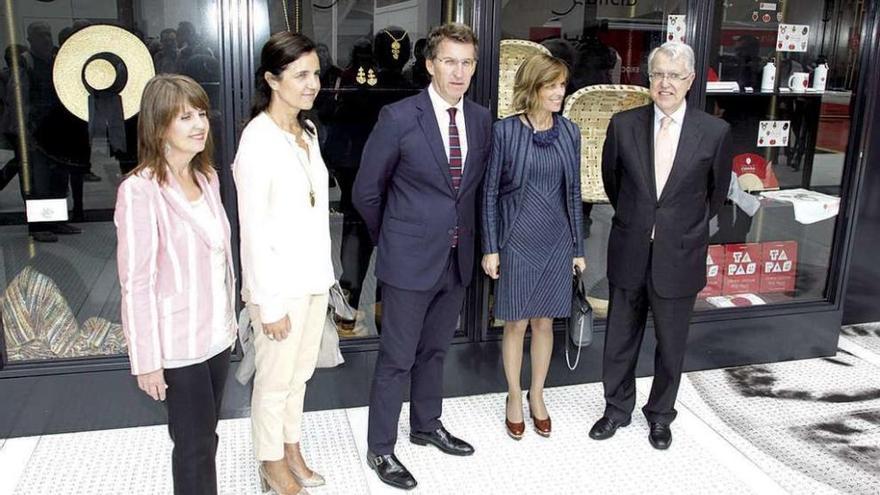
x: 391, y: 471
x: 660, y: 436
x: 606, y: 428
x: 443, y: 440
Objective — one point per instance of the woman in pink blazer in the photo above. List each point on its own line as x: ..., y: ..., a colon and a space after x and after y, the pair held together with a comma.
x: 175, y: 272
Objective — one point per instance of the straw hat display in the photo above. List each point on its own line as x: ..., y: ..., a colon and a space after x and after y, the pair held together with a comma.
x: 591, y: 109
x: 100, y: 58
x: 513, y: 54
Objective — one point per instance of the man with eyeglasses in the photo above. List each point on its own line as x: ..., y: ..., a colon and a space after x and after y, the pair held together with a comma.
x: 416, y: 191
x: 666, y: 170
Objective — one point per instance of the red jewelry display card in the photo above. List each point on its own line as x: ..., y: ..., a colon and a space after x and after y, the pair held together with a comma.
x: 742, y: 268
x: 779, y: 266
x: 714, y: 275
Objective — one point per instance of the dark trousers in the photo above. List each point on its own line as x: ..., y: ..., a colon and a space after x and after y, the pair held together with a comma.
x: 417, y: 328
x: 193, y: 400
x: 627, y: 314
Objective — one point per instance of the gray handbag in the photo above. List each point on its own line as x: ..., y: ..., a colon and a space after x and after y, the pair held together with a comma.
x: 579, y: 331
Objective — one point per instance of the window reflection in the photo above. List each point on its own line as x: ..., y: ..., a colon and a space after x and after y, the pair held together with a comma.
x: 602, y: 44
x: 371, y: 54
x: 60, y: 298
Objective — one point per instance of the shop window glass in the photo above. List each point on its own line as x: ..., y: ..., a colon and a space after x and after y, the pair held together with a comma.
x: 61, y: 294
x: 603, y: 43
x: 371, y: 54
x: 783, y: 75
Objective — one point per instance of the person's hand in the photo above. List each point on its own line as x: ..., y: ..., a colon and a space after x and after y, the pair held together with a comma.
x: 578, y: 263
x: 153, y: 384
x: 277, y: 330
x: 491, y: 265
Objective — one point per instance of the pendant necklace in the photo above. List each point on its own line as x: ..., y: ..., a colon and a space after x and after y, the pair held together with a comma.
x: 305, y: 170
x: 395, y: 43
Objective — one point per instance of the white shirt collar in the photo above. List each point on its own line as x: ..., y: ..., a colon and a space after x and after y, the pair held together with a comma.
x: 677, y: 116
x: 441, y: 105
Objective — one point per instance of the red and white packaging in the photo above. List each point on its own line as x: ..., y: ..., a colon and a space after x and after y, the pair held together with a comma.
x: 714, y: 274
x: 778, y: 266
x: 742, y: 268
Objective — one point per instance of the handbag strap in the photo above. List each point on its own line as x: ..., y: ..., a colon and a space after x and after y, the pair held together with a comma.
x: 578, y: 356
x: 581, y: 288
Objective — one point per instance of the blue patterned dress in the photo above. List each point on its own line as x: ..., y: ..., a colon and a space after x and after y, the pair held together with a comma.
x: 535, y: 272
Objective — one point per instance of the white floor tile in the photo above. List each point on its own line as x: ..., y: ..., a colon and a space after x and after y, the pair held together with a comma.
x: 809, y: 426
x: 568, y: 462
x: 15, y: 453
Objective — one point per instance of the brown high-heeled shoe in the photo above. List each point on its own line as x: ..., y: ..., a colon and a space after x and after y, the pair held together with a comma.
x: 514, y: 430
x: 542, y: 426
x: 267, y: 483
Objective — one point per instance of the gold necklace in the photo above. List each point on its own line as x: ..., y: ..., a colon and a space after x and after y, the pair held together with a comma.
x: 395, y: 43
x: 297, y: 21
x: 286, y: 15
x: 305, y: 170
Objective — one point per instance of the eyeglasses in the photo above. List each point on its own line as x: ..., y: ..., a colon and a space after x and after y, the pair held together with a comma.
x: 452, y: 63
x: 671, y: 76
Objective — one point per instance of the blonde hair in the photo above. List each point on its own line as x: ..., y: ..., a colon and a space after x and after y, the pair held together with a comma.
x: 534, y: 74
x: 163, y: 100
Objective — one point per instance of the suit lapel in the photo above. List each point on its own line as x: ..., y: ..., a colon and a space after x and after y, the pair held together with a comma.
x: 688, y: 141
x: 176, y: 199
x: 644, y: 139
x: 431, y: 129
x: 217, y: 208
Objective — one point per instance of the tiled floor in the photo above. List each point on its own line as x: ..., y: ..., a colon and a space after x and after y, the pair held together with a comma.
x: 808, y: 426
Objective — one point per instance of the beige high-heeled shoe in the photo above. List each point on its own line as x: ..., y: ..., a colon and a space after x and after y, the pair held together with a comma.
x: 312, y: 481
x: 269, y: 484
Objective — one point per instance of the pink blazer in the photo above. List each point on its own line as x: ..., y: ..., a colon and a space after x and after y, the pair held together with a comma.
x: 163, y: 257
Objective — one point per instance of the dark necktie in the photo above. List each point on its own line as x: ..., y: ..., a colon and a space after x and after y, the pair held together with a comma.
x: 455, y: 163
x: 454, y: 151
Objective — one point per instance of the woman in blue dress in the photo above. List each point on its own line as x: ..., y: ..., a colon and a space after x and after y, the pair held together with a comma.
x: 532, y: 228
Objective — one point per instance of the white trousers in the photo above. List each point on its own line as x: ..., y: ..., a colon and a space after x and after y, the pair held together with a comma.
x: 282, y: 370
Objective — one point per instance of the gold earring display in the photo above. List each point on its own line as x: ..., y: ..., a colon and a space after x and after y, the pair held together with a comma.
x: 361, y: 78
x: 395, y: 43
x: 371, y: 78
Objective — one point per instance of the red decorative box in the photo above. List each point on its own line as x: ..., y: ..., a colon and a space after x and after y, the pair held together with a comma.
x: 779, y: 266
x: 742, y: 268
x: 714, y: 275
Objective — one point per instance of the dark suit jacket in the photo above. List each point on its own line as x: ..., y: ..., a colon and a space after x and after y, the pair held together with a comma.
x: 508, y: 173
x: 695, y: 190
x: 404, y: 192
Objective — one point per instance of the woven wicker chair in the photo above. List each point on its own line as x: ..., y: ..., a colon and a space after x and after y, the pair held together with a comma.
x: 591, y: 109
x: 513, y: 54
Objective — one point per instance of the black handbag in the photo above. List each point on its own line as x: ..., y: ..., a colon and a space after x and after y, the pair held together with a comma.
x: 579, y: 331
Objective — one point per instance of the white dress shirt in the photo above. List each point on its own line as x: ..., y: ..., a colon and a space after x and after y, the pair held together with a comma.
x: 674, y: 130
x: 440, y: 110
x: 674, y: 126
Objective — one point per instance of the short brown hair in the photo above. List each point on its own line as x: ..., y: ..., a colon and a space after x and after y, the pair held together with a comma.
x: 534, y: 74
x: 454, y: 31
x: 163, y: 99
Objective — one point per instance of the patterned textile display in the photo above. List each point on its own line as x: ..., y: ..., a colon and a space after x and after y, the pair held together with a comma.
x: 39, y: 323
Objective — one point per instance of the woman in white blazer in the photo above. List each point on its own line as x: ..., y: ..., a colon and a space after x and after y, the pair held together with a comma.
x: 287, y: 271
x: 175, y: 272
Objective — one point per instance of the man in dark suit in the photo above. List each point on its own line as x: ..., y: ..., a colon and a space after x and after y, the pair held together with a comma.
x: 666, y: 170
x: 416, y: 191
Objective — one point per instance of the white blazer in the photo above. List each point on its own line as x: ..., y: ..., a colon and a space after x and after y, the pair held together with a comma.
x: 285, y: 241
